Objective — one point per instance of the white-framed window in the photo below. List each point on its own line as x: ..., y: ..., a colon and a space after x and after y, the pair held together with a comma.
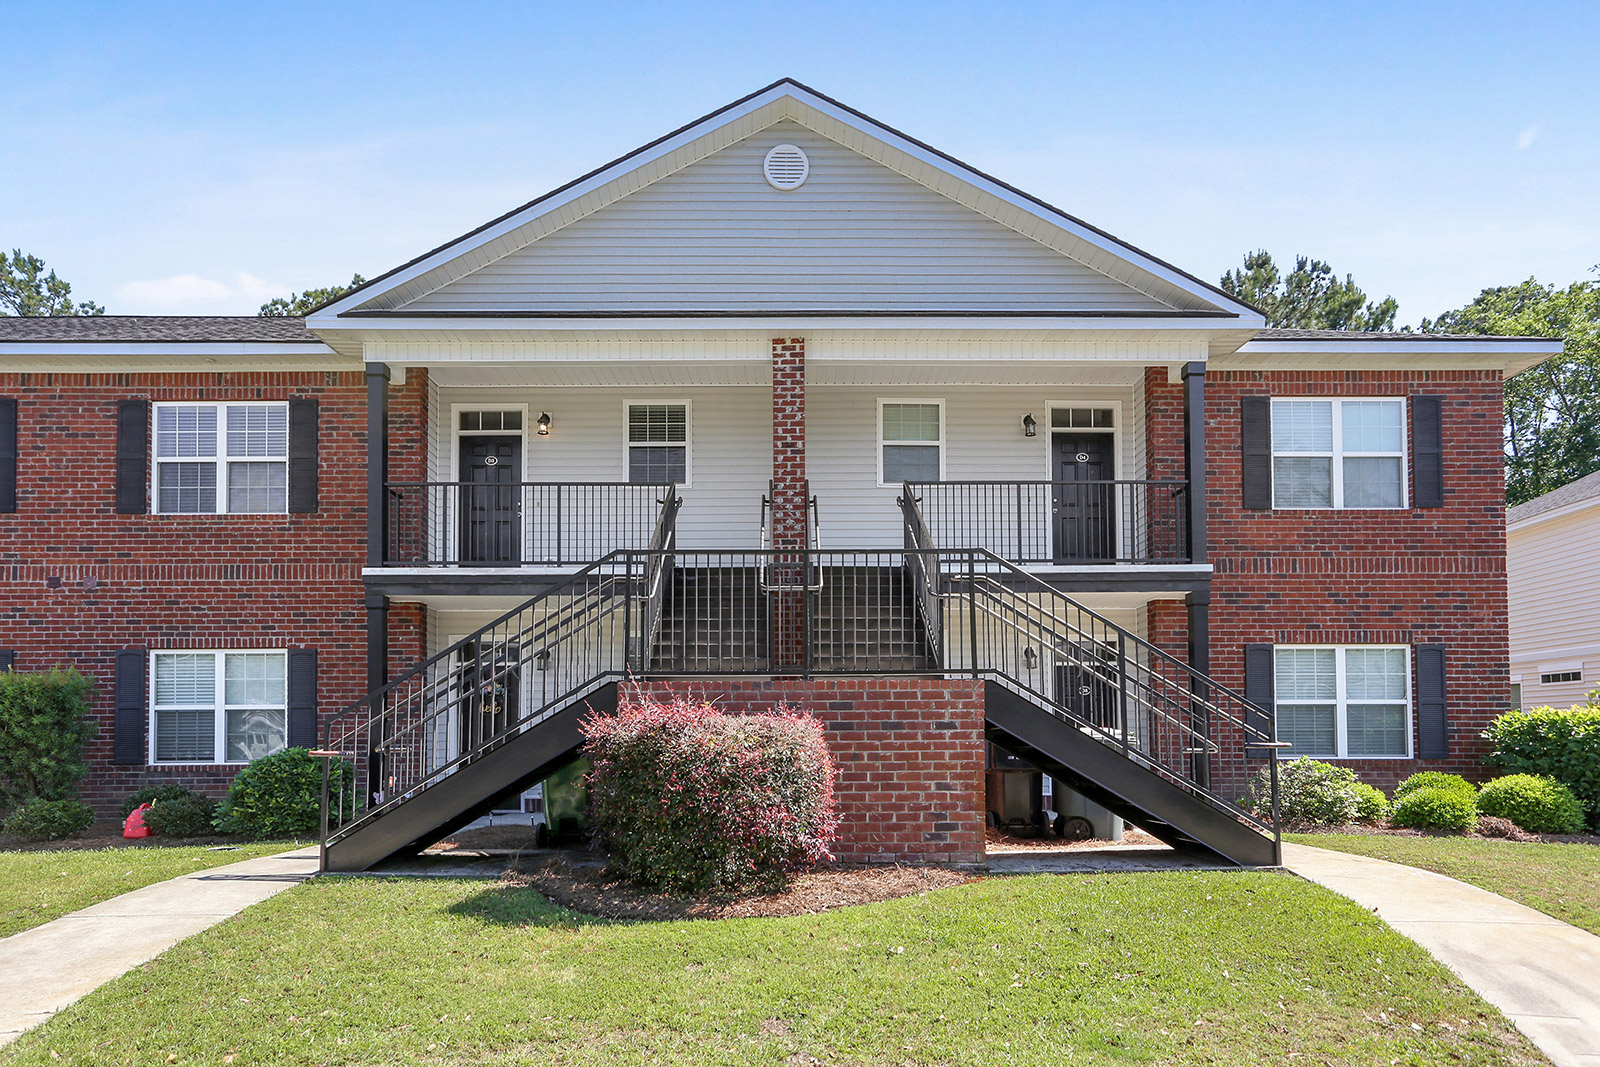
x: 1339, y: 453
x: 217, y: 459
x: 218, y: 706
x: 657, y: 436
x: 910, y: 441
x: 1344, y: 701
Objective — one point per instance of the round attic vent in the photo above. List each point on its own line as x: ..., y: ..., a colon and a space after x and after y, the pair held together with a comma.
x: 786, y: 167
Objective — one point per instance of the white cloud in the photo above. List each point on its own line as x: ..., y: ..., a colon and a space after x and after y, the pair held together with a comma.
x: 190, y: 294
x: 1526, y: 137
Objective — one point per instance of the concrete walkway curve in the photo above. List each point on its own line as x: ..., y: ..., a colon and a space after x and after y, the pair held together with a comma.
x: 50, y: 966
x: 1541, y: 972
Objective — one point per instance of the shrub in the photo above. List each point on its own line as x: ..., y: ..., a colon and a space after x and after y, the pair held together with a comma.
x: 1310, y: 793
x: 1453, y: 783
x: 1534, y: 802
x: 281, y: 795
x: 689, y: 800
x: 152, y: 794
x: 44, y: 724
x: 1435, y: 808
x: 46, y: 820
x: 1565, y: 745
x: 1372, y: 806
x: 186, y: 816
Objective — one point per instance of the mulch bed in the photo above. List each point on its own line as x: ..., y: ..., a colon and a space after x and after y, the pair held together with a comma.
x: 593, y: 891
x: 106, y: 833
x: 1000, y: 840
x: 1364, y: 830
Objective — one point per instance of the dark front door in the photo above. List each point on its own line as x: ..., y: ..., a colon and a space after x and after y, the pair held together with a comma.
x: 1085, y: 499
x: 491, y: 693
x: 491, y: 476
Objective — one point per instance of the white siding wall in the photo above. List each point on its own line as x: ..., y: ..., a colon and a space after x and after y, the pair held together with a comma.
x: 1553, y: 574
x: 716, y: 236
x: 731, y: 448
x: 983, y: 442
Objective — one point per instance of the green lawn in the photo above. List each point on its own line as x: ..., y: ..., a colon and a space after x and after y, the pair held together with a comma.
x: 1171, y: 968
x: 36, y: 887
x: 1559, y: 880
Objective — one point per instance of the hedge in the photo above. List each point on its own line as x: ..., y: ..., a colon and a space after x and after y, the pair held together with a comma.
x: 1534, y: 802
x: 1313, y: 793
x: 44, y: 724
x: 1561, y: 744
x: 691, y: 800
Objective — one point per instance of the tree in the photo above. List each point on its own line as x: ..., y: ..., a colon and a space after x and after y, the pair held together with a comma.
x: 25, y: 289
x: 1553, y: 410
x: 1311, y: 297
x: 302, y: 303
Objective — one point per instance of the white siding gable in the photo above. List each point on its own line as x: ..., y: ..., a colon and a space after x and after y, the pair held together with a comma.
x: 715, y: 236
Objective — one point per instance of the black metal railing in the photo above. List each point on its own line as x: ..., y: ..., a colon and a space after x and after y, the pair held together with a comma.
x: 516, y: 524
x: 1004, y: 624
x: 1070, y: 523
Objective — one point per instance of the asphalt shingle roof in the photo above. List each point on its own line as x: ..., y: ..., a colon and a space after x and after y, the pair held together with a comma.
x: 100, y: 329
x: 1571, y: 493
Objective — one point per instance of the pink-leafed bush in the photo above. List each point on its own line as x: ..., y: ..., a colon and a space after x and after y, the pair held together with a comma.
x: 690, y: 800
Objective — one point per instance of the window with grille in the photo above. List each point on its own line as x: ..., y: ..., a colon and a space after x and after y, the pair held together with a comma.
x: 1338, y: 454
x: 1344, y: 701
x: 1560, y: 676
x: 658, y: 443
x: 910, y: 441
x: 215, y: 459
x: 218, y: 707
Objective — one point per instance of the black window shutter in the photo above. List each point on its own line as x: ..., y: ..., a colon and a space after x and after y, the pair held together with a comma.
x: 302, y: 455
x: 302, y: 698
x: 131, y: 715
x: 7, y: 658
x: 1427, y: 452
x: 1255, y: 441
x: 1260, y: 683
x: 1433, y: 724
x: 133, y: 451
x: 8, y: 454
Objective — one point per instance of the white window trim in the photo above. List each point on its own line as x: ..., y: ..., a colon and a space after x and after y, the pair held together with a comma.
x: 1339, y: 455
x: 943, y: 442
x: 688, y: 436
x: 1341, y: 736
x: 220, y: 705
x: 222, y: 459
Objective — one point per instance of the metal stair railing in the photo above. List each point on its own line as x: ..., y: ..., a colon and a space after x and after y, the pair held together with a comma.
x: 1002, y: 623
x: 505, y: 677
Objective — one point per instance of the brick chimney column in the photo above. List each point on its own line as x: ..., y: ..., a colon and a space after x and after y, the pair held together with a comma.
x: 789, y: 495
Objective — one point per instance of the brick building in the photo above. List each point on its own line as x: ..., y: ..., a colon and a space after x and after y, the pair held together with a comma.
x: 785, y: 406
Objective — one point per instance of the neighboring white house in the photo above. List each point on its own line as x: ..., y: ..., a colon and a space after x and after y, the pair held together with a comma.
x: 1553, y: 573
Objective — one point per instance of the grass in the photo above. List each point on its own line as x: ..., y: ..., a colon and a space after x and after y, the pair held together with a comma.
x: 1559, y: 880
x: 1176, y: 968
x: 36, y: 887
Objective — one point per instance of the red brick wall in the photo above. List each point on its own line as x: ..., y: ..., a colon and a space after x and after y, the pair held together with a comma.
x: 1420, y: 576
x: 789, y: 489
x: 909, y: 754
x: 78, y: 581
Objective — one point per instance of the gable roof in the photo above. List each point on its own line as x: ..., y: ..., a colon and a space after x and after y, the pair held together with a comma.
x: 1584, y: 489
x: 169, y: 329
x: 1177, y: 292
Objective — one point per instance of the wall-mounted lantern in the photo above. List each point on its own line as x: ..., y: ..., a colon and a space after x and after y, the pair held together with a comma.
x: 1030, y: 428
x: 1030, y: 658
x: 544, y: 424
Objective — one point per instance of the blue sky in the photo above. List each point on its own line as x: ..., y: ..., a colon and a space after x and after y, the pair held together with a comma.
x: 198, y: 159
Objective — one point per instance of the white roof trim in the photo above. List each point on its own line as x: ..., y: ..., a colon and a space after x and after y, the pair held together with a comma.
x: 161, y: 348
x: 786, y: 99
x: 1442, y: 346
x: 775, y: 323
x: 1565, y: 511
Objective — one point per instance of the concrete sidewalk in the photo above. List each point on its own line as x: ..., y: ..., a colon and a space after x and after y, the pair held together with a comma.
x: 50, y: 966
x: 1541, y: 972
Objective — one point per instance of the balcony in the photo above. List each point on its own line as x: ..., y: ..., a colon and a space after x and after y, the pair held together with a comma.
x: 1078, y: 523
x: 516, y: 524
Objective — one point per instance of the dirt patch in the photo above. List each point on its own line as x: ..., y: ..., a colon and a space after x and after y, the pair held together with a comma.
x: 493, y: 838
x: 594, y: 891
x: 1000, y: 841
